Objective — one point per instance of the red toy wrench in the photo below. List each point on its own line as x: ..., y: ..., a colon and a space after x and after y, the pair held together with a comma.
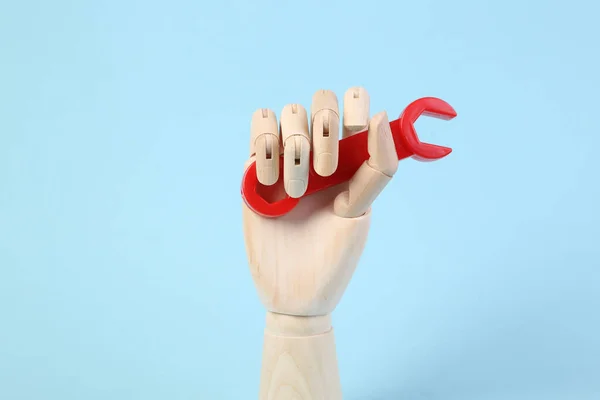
x: 353, y: 151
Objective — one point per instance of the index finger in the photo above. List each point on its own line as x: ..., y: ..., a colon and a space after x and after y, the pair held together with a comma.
x: 356, y: 111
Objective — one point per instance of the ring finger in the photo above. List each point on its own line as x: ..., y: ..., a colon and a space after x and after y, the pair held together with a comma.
x: 296, y: 149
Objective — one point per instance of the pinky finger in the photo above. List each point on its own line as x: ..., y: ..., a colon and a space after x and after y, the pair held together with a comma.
x: 265, y: 146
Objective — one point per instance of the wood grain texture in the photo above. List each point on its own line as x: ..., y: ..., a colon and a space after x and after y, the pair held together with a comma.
x: 298, y: 367
x: 301, y: 263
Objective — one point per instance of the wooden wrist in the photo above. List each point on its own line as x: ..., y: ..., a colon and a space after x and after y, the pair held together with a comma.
x: 297, y: 326
x: 299, y: 360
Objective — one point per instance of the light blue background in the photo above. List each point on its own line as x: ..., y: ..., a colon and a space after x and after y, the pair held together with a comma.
x: 124, y: 126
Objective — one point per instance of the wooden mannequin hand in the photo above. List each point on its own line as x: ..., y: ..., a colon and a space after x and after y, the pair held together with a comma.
x: 302, y: 262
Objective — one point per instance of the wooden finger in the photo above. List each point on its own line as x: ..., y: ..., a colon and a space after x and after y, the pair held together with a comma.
x: 373, y: 175
x: 296, y: 149
x: 382, y: 151
x: 325, y: 126
x: 356, y: 111
x: 264, y: 145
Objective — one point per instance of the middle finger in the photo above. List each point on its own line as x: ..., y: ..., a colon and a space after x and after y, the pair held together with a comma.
x: 325, y: 122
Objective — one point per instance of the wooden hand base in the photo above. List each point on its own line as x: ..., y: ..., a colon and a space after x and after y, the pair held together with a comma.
x: 299, y: 359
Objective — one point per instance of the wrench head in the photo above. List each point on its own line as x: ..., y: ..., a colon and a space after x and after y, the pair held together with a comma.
x: 431, y: 107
